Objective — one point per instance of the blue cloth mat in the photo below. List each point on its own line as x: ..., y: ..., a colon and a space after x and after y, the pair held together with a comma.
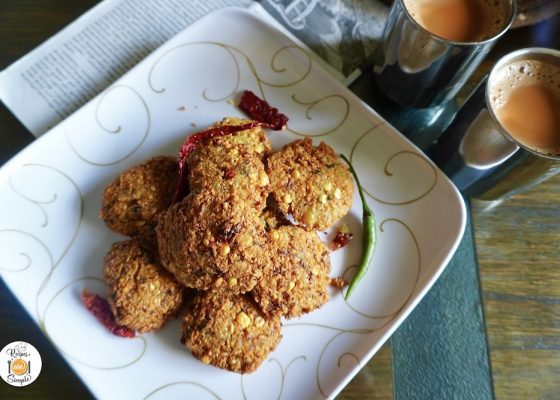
x: 440, y: 351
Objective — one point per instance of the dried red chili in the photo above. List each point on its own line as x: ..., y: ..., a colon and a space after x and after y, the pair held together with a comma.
x: 258, y: 109
x: 342, y: 237
x: 102, y: 312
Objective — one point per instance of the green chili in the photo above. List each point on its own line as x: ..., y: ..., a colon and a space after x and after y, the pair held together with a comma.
x: 369, y: 235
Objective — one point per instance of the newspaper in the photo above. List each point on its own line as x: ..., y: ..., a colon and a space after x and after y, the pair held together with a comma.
x: 58, y: 77
x: 345, y: 33
x: 62, y: 74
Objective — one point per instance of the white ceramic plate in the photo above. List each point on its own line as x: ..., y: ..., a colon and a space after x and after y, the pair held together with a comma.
x: 52, y: 242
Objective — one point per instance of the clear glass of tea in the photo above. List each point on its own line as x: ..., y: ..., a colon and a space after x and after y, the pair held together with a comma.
x: 506, y: 137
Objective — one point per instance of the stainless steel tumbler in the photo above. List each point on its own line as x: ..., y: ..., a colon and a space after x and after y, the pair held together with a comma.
x: 414, y: 67
x: 480, y: 156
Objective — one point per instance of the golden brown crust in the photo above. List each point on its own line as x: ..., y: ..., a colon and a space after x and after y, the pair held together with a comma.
x: 297, y: 282
x: 142, y: 294
x: 133, y: 201
x: 229, y: 172
x: 310, y: 183
x: 229, y: 331
x: 255, y: 138
x: 232, y: 165
x: 205, y: 242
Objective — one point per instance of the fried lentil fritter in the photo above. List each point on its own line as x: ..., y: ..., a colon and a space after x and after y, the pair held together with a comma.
x: 224, y: 172
x: 142, y: 294
x: 208, y: 243
x: 297, y: 282
x: 229, y: 331
x: 254, y: 138
x: 232, y: 165
x: 132, y: 202
x: 310, y: 183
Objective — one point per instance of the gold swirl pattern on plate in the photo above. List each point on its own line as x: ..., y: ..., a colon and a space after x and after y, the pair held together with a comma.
x: 38, y: 203
x: 331, y: 340
x: 114, y: 130
x: 53, y: 264
x: 228, y: 49
x: 273, y: 62
x: 237, y: 80
x: 75, y: 358
x: 312, y: 104
x: 416, y: 277
x: 346, y: 354
x: 388, y: 172
x: 191, y: 383
x: 283, y: 372
x: 231, y: 50
x: 261, y: 82
x: 25, y: 255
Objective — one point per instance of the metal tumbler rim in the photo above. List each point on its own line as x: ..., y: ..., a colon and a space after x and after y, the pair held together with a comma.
x: 511, y: 17
x: 536, y: 53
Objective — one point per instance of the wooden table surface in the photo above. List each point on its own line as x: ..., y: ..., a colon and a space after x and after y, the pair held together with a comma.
x: 517, y: 245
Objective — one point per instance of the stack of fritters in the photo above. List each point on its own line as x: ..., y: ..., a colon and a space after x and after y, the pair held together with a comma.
x: 230, y: 241
x: 142, y: 294
x: 214, y: 237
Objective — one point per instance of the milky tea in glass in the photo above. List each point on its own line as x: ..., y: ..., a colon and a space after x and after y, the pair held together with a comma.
x: 431, y: 47
x: 460, y: 20
x: 506, y: 137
